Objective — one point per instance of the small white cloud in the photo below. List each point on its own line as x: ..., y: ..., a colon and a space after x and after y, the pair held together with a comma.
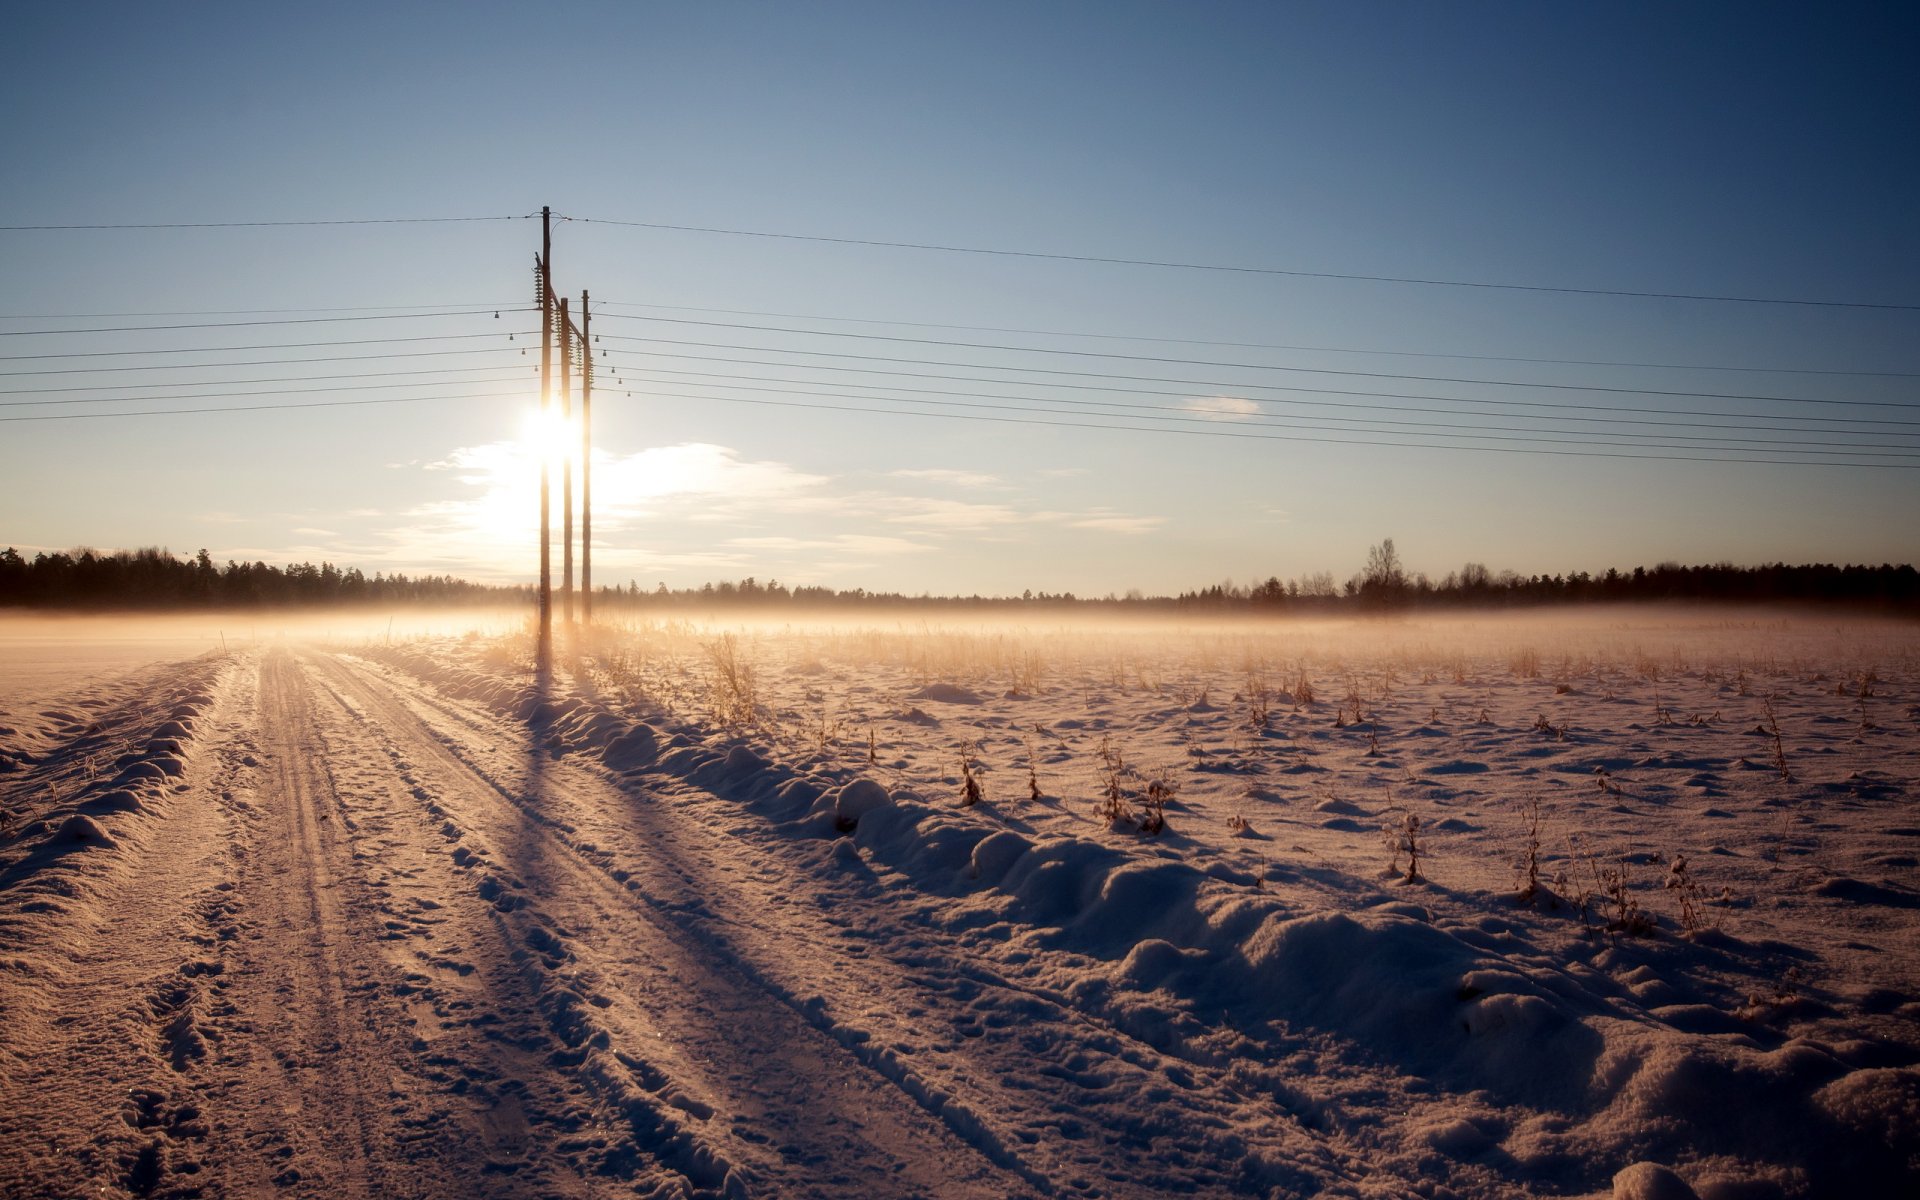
x: 846, y: 543
x: 312, y: 532
x: 950, y: 515
x: 971, y: 479
x: 1113, y: 522
x: 1221, y: 408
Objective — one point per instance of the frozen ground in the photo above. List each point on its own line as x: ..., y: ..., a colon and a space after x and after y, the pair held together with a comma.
x: 704, y: 910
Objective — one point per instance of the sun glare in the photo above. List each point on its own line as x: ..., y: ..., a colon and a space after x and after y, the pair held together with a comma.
x: 546, y: 436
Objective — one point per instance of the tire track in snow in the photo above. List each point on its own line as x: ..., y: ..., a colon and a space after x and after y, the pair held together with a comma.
x: 806, y: 1113
x: 496, y: 1008
x: 319, y: 1114
x: 857, y: 987
x: 677, y: 918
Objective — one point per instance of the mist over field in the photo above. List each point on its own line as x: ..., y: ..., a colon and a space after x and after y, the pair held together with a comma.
x: 878, y: 601
x: 1474, y: 905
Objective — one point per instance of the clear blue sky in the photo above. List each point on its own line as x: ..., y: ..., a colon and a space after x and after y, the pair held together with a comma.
x: 1757, y: 151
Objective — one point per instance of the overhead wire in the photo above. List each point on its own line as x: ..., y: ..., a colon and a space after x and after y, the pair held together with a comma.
x: 263, y: 224
x: 1054, y: 374
x: 181, y: 412
x: 999, y: 252
x: 248, y: 312
x: 1638, y: 427
x: 1640, y: 433
x: 1491, y: 432
x: 1201, y: 362
x: 1052, y: 256
x: 1249, y: 435
x: 437, y: 337
x: 1466, y: 440
x: 261, y: 362
x: 242, y: 324
x: 1314, y: 437
x: 1135, y: 337
x: 332, y: 387
x: 1293, y: 402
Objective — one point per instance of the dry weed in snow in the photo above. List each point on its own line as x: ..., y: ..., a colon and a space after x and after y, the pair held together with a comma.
x: 713, y: 908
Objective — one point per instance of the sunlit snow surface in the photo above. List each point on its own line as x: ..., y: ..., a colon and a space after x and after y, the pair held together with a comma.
x: 367, y: 906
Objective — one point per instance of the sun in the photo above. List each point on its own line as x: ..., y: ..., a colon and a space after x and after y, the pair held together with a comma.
x: 547, y: 437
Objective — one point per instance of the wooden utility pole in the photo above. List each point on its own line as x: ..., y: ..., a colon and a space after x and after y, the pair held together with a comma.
x: 586, y: 462
x: 566, y: 464
x: 545, y: 273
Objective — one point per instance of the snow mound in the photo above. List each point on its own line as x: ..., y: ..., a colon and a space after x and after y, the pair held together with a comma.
x: 1883, y: 1104
x: 995, y: 854
x: 856, y: 799
x: 1650, y: 1181
x: 743, y: 764
x: 945, y: 693
x: 82, y: 830
x: 638, y: 747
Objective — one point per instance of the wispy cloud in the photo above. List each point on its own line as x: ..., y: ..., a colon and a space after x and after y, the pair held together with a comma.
x: 1115, y: 522
x: 952, y: 516
x: 1222, y: 408
x: 846, y: 543
x: 967, y: 479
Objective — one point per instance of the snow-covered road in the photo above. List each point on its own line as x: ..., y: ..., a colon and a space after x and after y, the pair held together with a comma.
x: 297, y: 921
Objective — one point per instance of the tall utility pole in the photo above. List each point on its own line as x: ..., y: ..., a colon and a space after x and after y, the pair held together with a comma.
x: 586, y: 462
x: 545, y: 273
x: 566, y: 464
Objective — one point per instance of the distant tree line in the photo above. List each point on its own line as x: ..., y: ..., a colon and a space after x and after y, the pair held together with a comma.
x: 1382, y: 585
x: 155, y: 579
x: 750, y: 592
x: 1885, y: 586
x: 1385, y: 583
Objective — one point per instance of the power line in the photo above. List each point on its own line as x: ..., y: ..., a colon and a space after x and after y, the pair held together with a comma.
x: 1243, y: 434
x: 260, y: 224
x: 1143, y: 412
x: 1208, y: 384
x: 1390, y: 408
x: 1246, y: 270
x: 334, y: 387
x: 182, y: 412
x: 1734, y: 455
x: 1134, y: 337
x: 437, y: 337
x: 236, y: 324
x: 1256, y: 387
x: 248, y: 312
x: 1001, y: 252
x: 1240, y: 366
x: 257, y: 362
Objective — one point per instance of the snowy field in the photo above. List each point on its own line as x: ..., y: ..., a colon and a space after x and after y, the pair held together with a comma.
x: 1613, y: 903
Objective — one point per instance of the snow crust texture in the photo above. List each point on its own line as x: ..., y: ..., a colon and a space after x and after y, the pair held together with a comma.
x: 1464, y: 910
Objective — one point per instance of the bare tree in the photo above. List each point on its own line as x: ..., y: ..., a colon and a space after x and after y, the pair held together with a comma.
x: 1384, y: 579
